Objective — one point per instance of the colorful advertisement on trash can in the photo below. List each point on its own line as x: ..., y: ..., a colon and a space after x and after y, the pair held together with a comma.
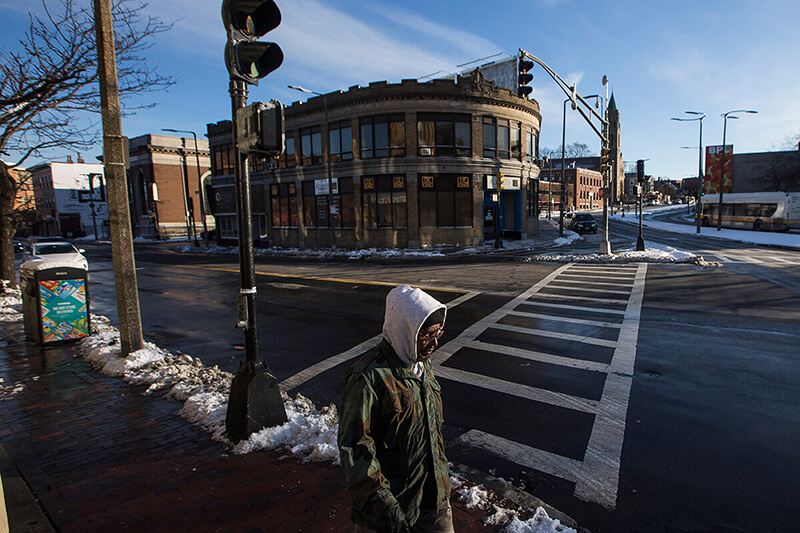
x: 63, y: 307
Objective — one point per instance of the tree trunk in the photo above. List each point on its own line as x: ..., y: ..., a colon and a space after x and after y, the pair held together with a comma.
x: 8, y: 192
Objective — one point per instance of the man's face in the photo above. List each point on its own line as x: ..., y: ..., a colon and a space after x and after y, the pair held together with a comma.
x: 428, y: 341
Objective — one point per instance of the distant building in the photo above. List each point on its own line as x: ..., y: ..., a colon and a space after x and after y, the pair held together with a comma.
x: 583, y: 187
x: 70, y: 199
x: 767, y: 171
x: 164, y: 184
x: 411, y: 164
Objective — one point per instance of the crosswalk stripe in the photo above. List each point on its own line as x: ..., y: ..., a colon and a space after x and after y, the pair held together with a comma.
x: 527, y: 456
x: 541, y: 357
x: 607, y: 291
x: 519, y: 390
x: 555, y: 335
x: 782, y: 260
x: 566, y: 319
x: 594, y: 281
x: 573, y: 297
x: 576, y: 307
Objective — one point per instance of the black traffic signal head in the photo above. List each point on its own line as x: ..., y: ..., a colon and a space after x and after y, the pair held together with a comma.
x: 253, y: 18
x: 605, y: 160
x: 640, y: 170
x: 524, y: 78
x: 245, y: 21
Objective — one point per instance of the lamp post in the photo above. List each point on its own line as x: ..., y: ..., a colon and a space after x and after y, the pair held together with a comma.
x: 327, y: 158
x: 722, y: 172
x: 699, y: 118
x: 200, y: 191
x: 563, y: 162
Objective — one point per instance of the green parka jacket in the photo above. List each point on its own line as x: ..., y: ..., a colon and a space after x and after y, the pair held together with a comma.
x: 390, y: 440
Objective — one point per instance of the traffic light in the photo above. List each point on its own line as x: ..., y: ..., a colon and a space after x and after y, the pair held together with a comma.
x: 640, y: 171
x: 248, y: 59
x: 524, y: 78
x: 501, y: 181
x: 605, y: 160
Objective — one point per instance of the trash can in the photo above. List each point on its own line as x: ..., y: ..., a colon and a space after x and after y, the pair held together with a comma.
x: 55, y: 300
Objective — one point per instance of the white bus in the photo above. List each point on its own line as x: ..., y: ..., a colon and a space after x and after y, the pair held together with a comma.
x: 753, y: 210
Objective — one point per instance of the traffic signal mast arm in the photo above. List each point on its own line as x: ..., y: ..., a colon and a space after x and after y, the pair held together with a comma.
x: 572, y: 93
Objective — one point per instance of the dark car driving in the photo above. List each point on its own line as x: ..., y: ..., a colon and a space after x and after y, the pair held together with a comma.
x: 583, y: 223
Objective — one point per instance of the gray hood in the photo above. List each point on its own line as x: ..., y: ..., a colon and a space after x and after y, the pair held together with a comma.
x: 406, y: 310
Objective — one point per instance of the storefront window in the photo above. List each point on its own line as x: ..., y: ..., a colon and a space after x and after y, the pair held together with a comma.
x: 384, y: 201
x: 283, y: 203
x: 316, y: 212
x: 445, y: 200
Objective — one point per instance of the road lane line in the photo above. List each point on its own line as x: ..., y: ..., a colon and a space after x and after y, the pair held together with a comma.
x: 527, y: 456
x: 599, y: 479
x: 518, y: 390
x: 554, y: 335
x: 323, y: 366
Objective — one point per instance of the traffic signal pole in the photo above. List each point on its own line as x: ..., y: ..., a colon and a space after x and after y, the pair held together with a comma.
x: 255, y: 400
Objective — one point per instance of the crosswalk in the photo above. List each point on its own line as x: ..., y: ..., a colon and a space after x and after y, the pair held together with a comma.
x: 580, y: 325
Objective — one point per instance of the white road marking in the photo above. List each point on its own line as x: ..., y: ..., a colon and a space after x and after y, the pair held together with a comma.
x: 607, y: 291
x: 575, y: 307
x: 596, y: 477
x: 534, y: 458
x: 585, y: 298
x: 566, y: 319
x: 579, y: 278
x: 555, y: 335
x: 517, y: 389
x: 541, y: 357
x: 599, y: 479
x: 782, y: 260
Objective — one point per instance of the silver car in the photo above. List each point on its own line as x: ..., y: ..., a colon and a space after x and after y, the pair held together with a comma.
x: 61, y: 251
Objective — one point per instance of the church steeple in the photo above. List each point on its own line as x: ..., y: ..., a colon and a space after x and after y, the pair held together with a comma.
x: 612, y: 104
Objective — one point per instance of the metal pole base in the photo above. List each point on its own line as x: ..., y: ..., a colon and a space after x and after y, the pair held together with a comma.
x: 640, y: 244
x: 605, y: 247
x: 255, y: 402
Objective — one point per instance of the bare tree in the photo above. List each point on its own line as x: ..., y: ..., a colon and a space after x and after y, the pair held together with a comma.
x: 50, y: 93
x: 782, y: 172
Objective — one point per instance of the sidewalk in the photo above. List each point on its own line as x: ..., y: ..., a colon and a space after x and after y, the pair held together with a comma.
x: 96, y: 455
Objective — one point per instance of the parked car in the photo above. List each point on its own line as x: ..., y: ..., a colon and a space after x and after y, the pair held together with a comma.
x: 18, y: 247
x: 56, y: 250
x: 582, y: 223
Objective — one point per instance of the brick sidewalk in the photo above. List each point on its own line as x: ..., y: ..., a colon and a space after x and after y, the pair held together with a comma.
x: 101, y: 456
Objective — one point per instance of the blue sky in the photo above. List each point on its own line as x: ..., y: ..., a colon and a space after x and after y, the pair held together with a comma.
x: 661, y: 59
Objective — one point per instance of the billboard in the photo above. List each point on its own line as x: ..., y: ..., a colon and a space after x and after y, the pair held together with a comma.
x: 713, y: 169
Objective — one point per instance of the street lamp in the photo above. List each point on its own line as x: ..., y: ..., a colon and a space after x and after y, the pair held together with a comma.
x: 563, y: 162
x: 700, y: 116
x: 200, y: 192
x: 722, y: 173
x: 327, y: 158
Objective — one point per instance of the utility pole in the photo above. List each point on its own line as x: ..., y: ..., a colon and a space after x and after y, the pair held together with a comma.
x: 130, y: 321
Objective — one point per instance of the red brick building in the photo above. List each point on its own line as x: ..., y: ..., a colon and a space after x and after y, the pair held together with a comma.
x: 583, y: 187
x: 164, y: 186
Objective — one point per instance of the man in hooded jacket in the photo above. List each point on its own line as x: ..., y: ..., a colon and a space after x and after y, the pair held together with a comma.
x: 390, y: 424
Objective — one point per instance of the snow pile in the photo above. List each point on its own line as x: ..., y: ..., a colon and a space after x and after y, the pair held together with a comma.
x: 10, y: 303
x: 653, y: 253
x: 477, y: 497
x: 309, y: 434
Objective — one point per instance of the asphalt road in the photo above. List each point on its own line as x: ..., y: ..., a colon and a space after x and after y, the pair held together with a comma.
x: 631, y: 397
